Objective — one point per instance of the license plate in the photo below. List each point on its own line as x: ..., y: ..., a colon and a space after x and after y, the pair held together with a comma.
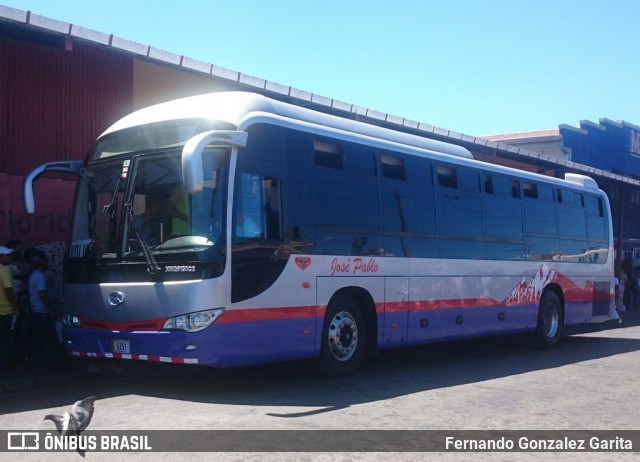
x: 119, y: 345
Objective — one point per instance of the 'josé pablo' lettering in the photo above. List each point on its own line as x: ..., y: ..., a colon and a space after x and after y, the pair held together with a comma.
x: 356, y: 266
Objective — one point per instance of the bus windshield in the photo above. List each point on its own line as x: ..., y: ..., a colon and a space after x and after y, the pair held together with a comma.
x: 133, y: 208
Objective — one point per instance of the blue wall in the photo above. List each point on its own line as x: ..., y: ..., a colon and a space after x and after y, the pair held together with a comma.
x: 609, y: 145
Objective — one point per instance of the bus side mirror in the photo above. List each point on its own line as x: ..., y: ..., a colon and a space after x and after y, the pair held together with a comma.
x: 192, y: 170
x: 72, y: 166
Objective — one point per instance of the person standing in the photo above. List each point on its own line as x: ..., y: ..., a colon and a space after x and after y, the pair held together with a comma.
x: 20, y: 270
x: 622, y: 281
x: 179, y: 211
x: 42, y: 314
x: 9, y: 309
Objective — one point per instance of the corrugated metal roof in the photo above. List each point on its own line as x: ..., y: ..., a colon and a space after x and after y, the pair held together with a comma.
x: 126, y: 46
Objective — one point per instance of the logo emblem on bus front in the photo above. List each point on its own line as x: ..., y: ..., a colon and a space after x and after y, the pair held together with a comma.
x: 115, y: 298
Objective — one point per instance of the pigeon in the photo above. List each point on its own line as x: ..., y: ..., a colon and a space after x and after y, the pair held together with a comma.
x: 76, y: 419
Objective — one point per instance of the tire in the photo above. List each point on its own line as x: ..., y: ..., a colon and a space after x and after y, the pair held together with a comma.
x: 343, y: 337
x: 550, y: 320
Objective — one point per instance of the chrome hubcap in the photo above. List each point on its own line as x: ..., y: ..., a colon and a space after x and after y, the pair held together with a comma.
x: 343, y: 336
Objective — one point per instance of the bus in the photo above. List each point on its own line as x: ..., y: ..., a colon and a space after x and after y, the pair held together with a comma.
x: 231, y: 229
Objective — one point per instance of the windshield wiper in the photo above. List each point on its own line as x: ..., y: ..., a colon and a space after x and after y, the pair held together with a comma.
x: 152, y: 264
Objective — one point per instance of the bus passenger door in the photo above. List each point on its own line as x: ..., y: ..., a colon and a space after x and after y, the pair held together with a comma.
x: 396, y: 301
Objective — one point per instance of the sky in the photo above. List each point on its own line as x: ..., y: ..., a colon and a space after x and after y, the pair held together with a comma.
x: 478, y: 67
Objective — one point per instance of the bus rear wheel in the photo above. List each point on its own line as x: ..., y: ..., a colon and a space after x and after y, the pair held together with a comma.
x: 550, y: 320
x: 343, y: 337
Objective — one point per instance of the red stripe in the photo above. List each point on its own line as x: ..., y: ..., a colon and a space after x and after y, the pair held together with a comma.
x: 242, y: 315
x: 268, y: 314
x: 573, y: 294
x: 126, y: 326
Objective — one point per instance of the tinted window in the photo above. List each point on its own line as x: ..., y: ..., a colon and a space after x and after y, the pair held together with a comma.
x: 258, y: 218
x: 571, y: 214
x: 406, y: 246
x: 393, y: 167
x: 265, y: 144
x: 542, y: 248
x: 408, y: 201
x: 348, y: 198
x: 503, y: 209
x: 459, y: 202
x: 328, y: 155
x: 359, y: 159
x: 338, y: 242
x: 447, y: 177
x: 460, y: 249
x: 300, y: 225
x: 539, y: 209
x: 596, y: 223
x: 257, y: 209
x: 500, y: 186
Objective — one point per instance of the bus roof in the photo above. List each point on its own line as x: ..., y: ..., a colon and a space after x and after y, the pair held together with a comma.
x: 243, y: 108
x: 238, y: 107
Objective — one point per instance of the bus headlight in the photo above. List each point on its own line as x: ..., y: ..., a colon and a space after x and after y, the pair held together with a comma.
x: 70, y: 320
x: 193, y: 322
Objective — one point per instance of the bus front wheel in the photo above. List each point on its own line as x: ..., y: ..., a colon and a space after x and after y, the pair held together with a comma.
x: 550, y: 320
x: 343, y: 337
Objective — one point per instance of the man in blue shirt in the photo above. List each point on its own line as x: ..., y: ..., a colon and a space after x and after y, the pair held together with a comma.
x: 45, y: 337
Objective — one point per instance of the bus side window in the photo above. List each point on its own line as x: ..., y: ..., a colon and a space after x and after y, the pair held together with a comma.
x: 408, y: 195
x: 256, y: 258
x: 503, y: 209
x: 257, y: 208
x: 541, y: 224
x: 596, y: 221
x: 571, y: 214
x: 460, y: 213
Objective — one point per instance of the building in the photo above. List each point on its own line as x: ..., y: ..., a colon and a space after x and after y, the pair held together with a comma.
x: 614, y: 147
x: 546, y: 142
x: 64, y: 84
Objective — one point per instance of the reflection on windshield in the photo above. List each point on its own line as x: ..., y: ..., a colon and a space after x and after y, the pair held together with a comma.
x: 154, y: 136
x: 138, y: 209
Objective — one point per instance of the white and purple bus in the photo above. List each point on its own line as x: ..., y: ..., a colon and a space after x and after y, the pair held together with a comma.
x: 231, y: 229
